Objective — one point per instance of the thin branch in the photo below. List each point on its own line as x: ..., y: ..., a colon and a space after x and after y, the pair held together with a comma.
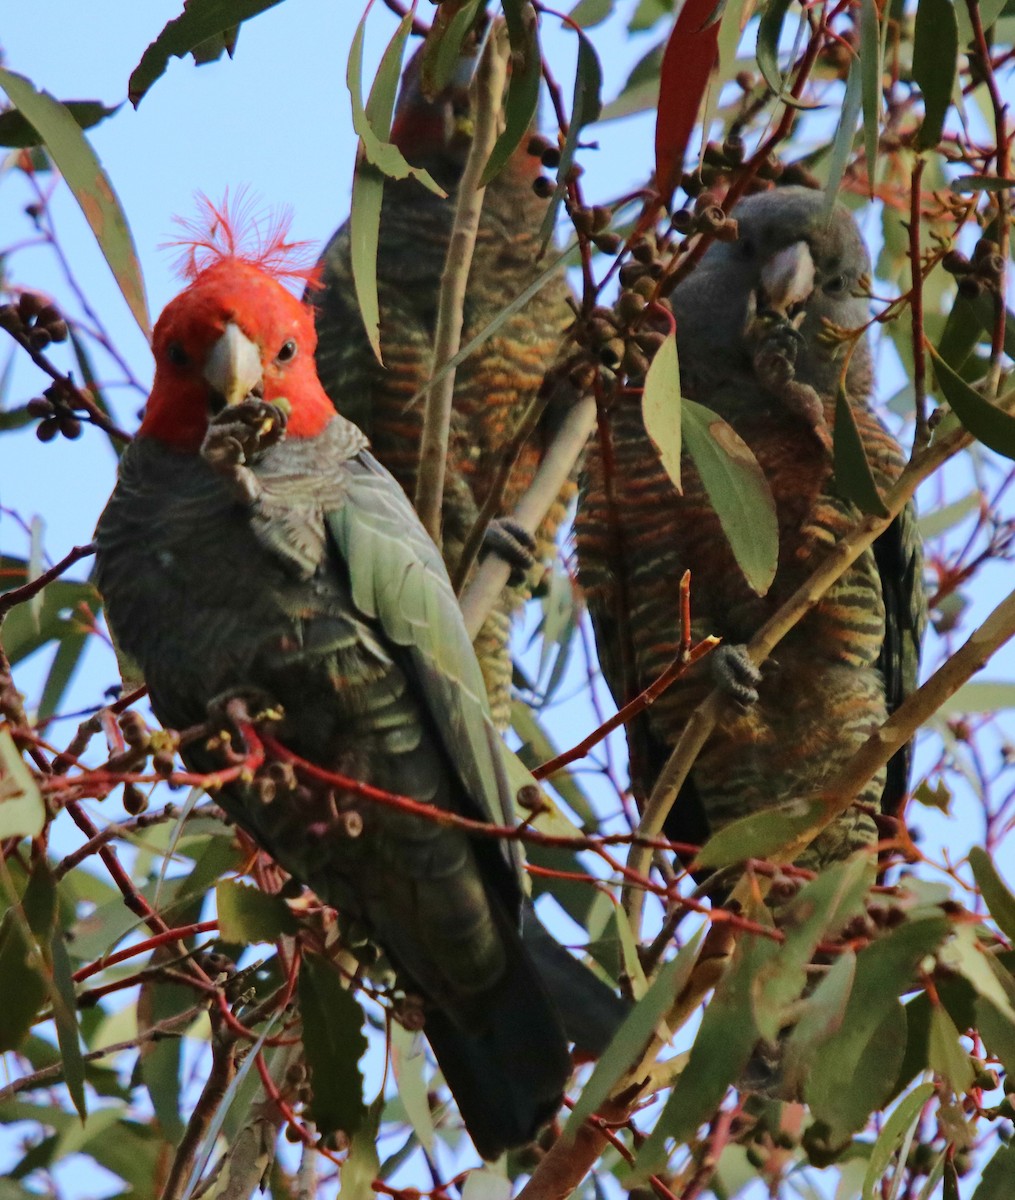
x: 490, y: 80
x: 20, y: 594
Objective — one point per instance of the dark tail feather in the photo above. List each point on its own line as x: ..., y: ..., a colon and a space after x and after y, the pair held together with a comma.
x: 509, y: 1079
x: 590, y: 1010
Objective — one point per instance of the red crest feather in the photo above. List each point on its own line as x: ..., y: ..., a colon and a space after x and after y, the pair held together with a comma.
x: 242, y: 232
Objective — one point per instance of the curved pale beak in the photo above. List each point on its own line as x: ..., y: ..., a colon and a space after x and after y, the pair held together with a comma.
x: 787, y: 279
x: 233, y: 368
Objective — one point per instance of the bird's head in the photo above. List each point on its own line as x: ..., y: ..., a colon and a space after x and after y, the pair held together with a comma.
x: 235, y: 332
x: 791, y: 256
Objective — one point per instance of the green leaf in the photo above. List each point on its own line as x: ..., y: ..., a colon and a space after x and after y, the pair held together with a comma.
x: 871, y: 69
x: 586, y: 106
x: 998, y: 1033
x: 941, y: 520
x: 588, y: 13
x: 869, y: 1045
x: 854, y: 479
x: 61, y: 672
x: 935, y: 60
x: 246, y: 914
x: 442, y: 57
x: 985, y: 696
x: 720, y: 1052
x: 821, y: 1016
x: 372, y: 121
x: 408, y: 1060
x: 361, y: 1164
x: 199, y: 21
x: 995, y: 1183
x: 737, y: 490
x: 25, y: 935
x: 537, y: 747
x: 842, y: 143
x: 18, y: 132
x: 89, y: 184
x: 660, y: 407
x: 633, y: 1035
x: 364, y: 228
x: 65, y: 1017
x: 895, y: 1132
x: 760, y: 835
x: 818, y: 911
x: 946, y: 1056
x: 521, y: 104
x: 767, y: 49
x: 982, y: 183
x: 22, y: 808
x: 985, y: 421
x: 996, y: 895
x: 334, y: 1043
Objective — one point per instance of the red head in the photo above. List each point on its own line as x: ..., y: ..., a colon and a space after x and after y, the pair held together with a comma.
x: 235, y: 331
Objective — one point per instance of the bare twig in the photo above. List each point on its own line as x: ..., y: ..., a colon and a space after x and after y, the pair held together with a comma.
x: 490, y: 79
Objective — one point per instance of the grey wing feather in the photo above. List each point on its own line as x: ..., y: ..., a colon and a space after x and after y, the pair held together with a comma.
x: 399, y: 579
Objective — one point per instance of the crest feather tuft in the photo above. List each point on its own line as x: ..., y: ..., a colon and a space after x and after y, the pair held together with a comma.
x: 240, y: 231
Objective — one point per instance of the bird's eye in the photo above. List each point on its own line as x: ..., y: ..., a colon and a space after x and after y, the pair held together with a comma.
x: 287, y: 353
x: 836, y: 285
x: 177, y: 355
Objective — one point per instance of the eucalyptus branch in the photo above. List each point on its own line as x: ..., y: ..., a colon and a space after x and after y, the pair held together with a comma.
x: 490, y: 80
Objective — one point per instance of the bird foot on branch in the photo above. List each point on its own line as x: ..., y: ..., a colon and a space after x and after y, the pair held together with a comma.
x: 775, y: 341
x: 514, y: 544
x: 734, y: 671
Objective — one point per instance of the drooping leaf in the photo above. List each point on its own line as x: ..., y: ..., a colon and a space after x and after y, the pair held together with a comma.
x: 660, y: 407
x: 18, y: 132
x: 372, y: 120
x: 945, y: 1055
x: 941, y: 520
x: 737, y: 490
x: 992, y: 887
x: 334, y: 1043
x: 408, y: 1060
x: 842, y: 143
x: 998, y: 1033
x: 687, y: 67
x: 65, y: 1017
x: 935, y: 61
x: 854, y: 479
x: 365, y: 229
x: 894, y: 1133
x: 361, y: 1165
x: 633, y: 1035
x: 200, y: 21
x: 521, y: 104
x: 872, y: 69
x: 767, y: 48
x: 26, y: 932
x: 442, y: 47
x: 985, y: 421
x: 586, y: 105
x: 89, y: 184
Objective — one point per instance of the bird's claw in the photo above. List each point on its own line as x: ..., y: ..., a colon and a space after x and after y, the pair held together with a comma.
x: 236, y: 436
x: 735, y: 672
x: 775, y: 341
x: 514, y: 544
x: 235, y: 708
